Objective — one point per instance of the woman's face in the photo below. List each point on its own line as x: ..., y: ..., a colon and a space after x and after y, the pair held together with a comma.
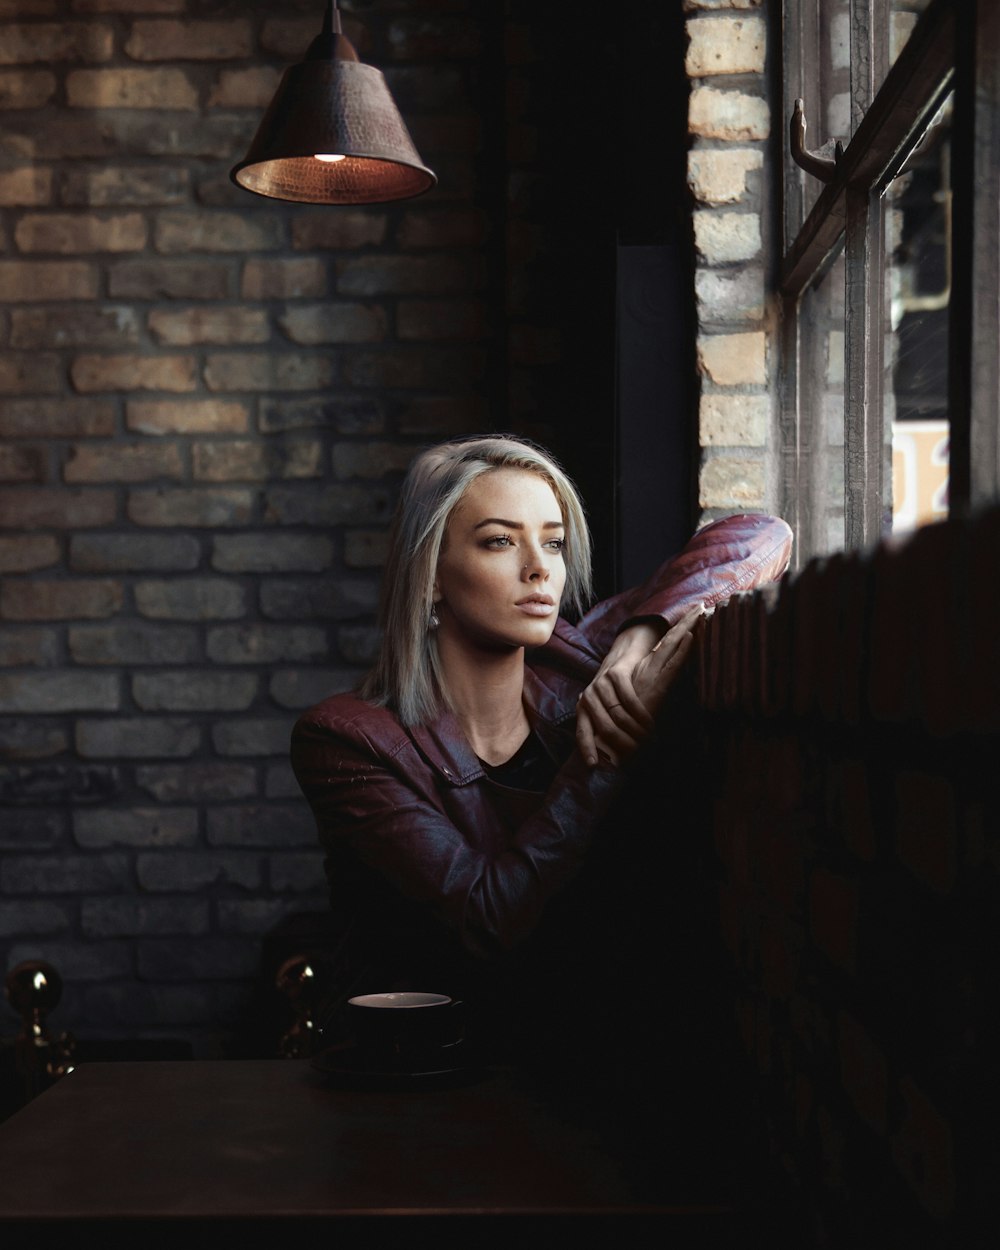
x: 501, y: 572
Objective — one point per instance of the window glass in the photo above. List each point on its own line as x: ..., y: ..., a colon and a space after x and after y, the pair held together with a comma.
x: 918, y: 245
x: 822, y: 410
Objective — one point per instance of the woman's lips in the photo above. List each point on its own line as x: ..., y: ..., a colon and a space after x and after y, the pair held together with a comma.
x: 537, y: 605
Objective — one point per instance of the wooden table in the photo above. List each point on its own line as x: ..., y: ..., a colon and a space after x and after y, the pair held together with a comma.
x: 167, y: 1148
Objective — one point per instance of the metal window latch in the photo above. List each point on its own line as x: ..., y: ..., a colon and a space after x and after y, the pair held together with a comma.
x: 819, y: 163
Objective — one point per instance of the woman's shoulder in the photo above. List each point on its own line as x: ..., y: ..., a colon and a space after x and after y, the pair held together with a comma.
x: 349, y: 716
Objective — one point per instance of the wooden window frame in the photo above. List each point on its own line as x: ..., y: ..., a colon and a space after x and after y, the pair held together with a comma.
x: 954, y: 46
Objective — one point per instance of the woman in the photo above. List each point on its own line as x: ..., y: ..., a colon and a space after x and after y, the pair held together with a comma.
x: 458, y: 793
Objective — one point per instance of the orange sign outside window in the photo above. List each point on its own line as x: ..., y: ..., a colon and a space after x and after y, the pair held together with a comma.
x: 919, y: 473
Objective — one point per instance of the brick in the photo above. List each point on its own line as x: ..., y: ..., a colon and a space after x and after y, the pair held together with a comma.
x: 725, y: 45
x: 30, y: 373
x: 734, y: 359
x: 130, y: 89
x: 301, y: 688
x: 358, y: 644
x: 211, y: 231
x: 184, y: 327
x: 194, y: 690
x: 244, y: 88
x: 731, y: 483
x: 134, y: 643
x: 268, y: 553
x: 56, y: 418
x: 193, y: 416
x: 735, y: 295
x: 107, y: 553
x: 27, y: 187
x: 251, y: 916
x: 730, y: 115
x: 141, y: 917
x: 26, y: 88
x: 722, y: 238
x: 257, y: 461
x: 142, y: 133
x: 424, y: 88
x: 280, y: 782
x: 44, y: 508
x: 124, y: 462
x: 137, y: 738
x: 191, y: 599
x: 283, y: 279
x: 251, y: 736
x: 277, y: 825
x: 167, y: 279
x: 288, y: 38
x: 342, y: 231
x: 923, y: 1151
x: 22, y: 464
x: 72, y: 233
x: 187, y: 871
x: 263, y: 644
x: 347, y: 414
x: 833, y: 916
x: 22, y: 647
x: 371, y: 460
x: 129, y: 6
x: 734, y: 420
x: 327, y: 505
x: 210, y: 958
x: 32, y: 738
x: 319, y: 598
x: 426, y: 367
x: 366, y: 549
x: 30, y: 552
x: 105, y: 326
x: 198, y: 781
x: 435, y: 38
x: 441, y: 319
x: 100, y: 828
x: 55, y: 41
x: 444, y: 228
x: 130, y: 1006
x: 190, y: 40
x: 40, y: 280
x: 117, y: 185
x: 310, y: 324
x: 62, y: 874
x: 441, y: 415
x: 31, y: 830
x: 299, y: 873
x: 208, y: 508
x: 59, y: 784
x: 133, y: 373
x: 719, y: 175
x: 27, y: 918
x: 59, y: 601
x: 863, y: 1071
x: 258, y: 372
x: 407, y: 275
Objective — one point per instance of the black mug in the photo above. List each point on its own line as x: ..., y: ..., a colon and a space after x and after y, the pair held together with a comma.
x: 404, y: 1026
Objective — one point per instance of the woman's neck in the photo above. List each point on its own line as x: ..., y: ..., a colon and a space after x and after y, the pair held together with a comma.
x: 485, y: 691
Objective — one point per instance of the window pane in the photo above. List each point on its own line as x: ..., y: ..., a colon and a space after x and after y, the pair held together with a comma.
x: 903, y: 16
x: 918, y: 227
x: 822, y: 408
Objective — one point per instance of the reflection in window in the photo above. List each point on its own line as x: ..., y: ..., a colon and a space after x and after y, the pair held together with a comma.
x: 918, y: 236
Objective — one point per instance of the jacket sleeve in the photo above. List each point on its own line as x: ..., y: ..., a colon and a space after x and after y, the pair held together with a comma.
x: 726, y: 557
x: 380, y: 805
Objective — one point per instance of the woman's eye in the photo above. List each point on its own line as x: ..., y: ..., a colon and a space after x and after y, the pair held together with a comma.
x: 500, y: 540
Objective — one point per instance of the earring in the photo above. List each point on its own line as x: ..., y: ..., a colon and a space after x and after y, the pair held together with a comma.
x: 433, y: 621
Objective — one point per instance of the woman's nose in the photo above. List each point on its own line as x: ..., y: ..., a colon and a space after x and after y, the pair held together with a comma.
x: 536, y: 569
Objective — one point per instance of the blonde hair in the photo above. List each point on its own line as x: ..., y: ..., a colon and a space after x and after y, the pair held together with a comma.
x: 406, y: 675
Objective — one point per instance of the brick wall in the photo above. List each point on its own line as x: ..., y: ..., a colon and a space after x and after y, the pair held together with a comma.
x: 206, y: 403
x: 729, y: 121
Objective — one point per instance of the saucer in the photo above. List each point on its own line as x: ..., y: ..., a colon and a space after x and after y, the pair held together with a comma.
x: 349, y: 1064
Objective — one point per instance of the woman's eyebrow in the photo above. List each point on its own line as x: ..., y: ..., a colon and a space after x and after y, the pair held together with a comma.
x: 515, y: 525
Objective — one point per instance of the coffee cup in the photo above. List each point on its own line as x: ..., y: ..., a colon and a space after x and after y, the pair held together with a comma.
x: 402, y: 1025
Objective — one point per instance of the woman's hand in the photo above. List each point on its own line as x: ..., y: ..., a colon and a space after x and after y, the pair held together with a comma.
x: 615, y: 713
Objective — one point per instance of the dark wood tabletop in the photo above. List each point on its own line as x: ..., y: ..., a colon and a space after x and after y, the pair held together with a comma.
x: 244, y: 1141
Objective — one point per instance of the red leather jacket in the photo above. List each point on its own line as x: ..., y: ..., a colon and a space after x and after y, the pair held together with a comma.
x: 429, y: 860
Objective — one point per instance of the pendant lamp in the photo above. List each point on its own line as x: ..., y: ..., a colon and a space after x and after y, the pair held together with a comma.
x: 332, y: 133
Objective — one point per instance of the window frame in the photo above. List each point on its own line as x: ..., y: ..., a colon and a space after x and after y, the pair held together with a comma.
x: 953, y: 46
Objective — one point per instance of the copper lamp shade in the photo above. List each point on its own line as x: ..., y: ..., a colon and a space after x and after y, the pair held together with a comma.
x: 333, y: 134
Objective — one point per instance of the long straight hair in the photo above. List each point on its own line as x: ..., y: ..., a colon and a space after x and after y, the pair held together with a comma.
x: 406, y: 675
